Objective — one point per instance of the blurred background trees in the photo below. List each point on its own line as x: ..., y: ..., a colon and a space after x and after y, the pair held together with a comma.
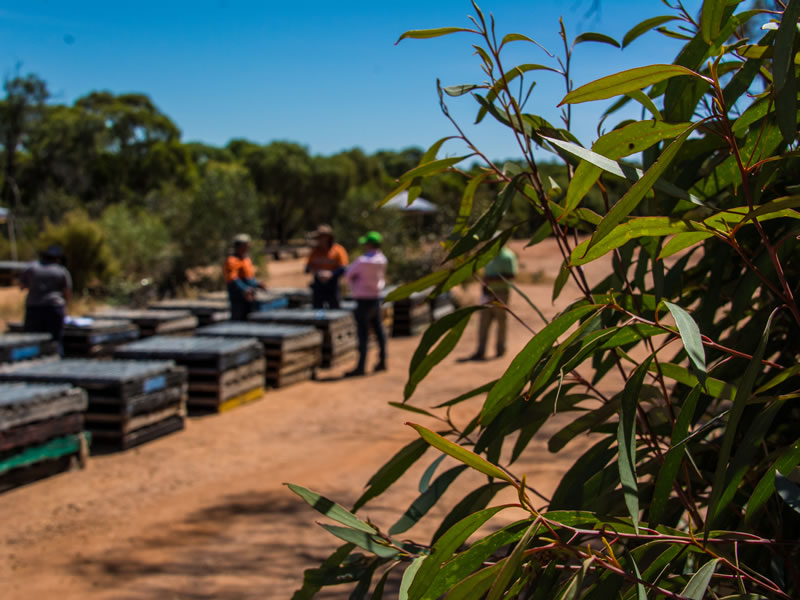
x: 116, y: 165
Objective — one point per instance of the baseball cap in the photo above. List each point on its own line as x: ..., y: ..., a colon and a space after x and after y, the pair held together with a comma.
x: 323, y: 230
x: 241, y: 238
x: 371, y: 237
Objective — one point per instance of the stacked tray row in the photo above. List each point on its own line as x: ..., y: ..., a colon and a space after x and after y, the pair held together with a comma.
x: 94, y: 339
x: 41, y: 430
x: 151, y: 322
x: 10, y: 270
x: 293, y: 352
x: 18, y: 347
x: 206, y: 311
x: 415, y: 313
x: 129, y: 402
x: 222, y: 373
x: 266, y: 299
x: 338, y: 329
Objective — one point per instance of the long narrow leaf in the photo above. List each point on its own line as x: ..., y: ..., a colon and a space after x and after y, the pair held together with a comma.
x: 626, y: 440
x: 690, y: 336
x: 391, y: 471
x: 698, y: 584
x: 330, y: 509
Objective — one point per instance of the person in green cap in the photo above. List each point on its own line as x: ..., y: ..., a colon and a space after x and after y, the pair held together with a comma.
x: 496, y: 294
x: 366, y: 277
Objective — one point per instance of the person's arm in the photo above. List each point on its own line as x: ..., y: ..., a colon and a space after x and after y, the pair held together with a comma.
x: 67, y: 286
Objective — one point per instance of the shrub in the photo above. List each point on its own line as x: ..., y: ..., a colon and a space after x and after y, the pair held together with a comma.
x: 87, y: 254
x: 690, y: 487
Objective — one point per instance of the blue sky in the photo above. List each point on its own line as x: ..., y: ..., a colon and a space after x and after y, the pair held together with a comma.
x: 323, y: 74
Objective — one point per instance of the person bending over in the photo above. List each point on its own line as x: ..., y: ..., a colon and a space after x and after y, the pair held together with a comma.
x: 49, y: 286
x: 367, y: 278
x: 240, y: 279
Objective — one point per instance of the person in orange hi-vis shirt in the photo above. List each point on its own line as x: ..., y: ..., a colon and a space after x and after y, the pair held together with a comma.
x: 240, y: 279
x: 327, y: 263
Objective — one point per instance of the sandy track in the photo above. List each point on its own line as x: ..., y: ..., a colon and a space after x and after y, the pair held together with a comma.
x: 203, y: 514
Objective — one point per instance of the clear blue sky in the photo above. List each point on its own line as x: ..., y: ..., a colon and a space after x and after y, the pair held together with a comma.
x: 324, y: 74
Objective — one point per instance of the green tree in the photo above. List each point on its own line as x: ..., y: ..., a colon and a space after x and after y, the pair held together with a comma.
x: 690, y: 488
x: 22, y: 106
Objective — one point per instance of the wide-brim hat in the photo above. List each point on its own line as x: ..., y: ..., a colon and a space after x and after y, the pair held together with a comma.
x: 323, y: 230
x: 241, y: 238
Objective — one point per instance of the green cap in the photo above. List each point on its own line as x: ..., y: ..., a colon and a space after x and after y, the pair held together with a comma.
x: 371, y: 237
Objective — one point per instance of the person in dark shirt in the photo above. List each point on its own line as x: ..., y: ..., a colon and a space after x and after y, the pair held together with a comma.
x: 49, y: 286
x: 327, y: 263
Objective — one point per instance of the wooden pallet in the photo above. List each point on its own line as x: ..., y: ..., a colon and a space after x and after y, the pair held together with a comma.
x: 279, y: 380
x: 21, y: 404
x: 206, y: 311
x: 152, y: 322
x: 215, y: 353
x: 225, y: 384
x: 52, y: 449
x: 17, y: 347
x: 41, y: 431
x: 115, y: 440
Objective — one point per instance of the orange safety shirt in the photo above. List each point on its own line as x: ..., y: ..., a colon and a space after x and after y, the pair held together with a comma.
x: 239, y: 268
x: 327, y: 260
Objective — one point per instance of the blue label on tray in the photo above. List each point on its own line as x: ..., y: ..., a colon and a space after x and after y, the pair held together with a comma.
x: 24, y: 352
x: 155, y: 383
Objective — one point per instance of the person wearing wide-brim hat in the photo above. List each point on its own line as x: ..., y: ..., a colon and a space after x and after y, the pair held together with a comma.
x: 49, y: 286
x: 326, y: 263
x: 240, y: 278
x: 367, y: 278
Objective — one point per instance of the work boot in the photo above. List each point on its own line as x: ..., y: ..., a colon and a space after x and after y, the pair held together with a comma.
x: 357, y: 372
x: 381, y: 366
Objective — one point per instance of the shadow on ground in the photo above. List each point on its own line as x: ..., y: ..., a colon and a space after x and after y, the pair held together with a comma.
x: 244, y: 548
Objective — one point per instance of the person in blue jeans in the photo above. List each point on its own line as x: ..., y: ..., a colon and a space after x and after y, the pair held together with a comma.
x: 366, y: 277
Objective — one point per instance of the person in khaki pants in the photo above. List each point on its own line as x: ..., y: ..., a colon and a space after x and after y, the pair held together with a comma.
x: 496, y: 295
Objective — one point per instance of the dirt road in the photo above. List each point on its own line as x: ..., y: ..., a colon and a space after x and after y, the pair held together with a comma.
x: 203, y: 514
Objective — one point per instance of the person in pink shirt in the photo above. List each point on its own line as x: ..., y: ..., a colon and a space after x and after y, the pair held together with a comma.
x: 366, y: 277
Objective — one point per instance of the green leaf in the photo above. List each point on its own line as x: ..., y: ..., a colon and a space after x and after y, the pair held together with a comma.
x: 460, y: 90
x: 788, y: 491
x: 711, y: 19
x: 467, y: 199
x: 331, y: 509
x: 414, y: 409
x: 682, y: 241
x: 621, y: 234
x: 783, y: 71
x: 511, y: 565
x: 585, y: 422
x: 311, y: 576
x: 614, y: 145
x: 572, y: 591
x: 424, y: 34
x: 425, y: 358
x: 645, y: 101
x: 377, y: 593
x: 444, y: 548
x: 503, y: 83
x: 569, y: 493
x: 391, y: 471
x: 644, y: 27
x: 368, y: 542
x: 626, y: 81
x: 471, y: 559
x: 743, y: 393
x: 512, y: 381
x: 591, y: 36
x: 638, y: 190
x: 619, y: 169
x: 476, y: 500
x: 470, y: 394
x: 698, y: 584
x: 408, y: 577
x: 673, y: 458
x: 690, y: 336
x: 461, y: 454
x: 561, y: 279
x: 626, y: 440
x: 476, y: 585
x: 420, y: 507
x: 766, y: 487
x: 425, y: 480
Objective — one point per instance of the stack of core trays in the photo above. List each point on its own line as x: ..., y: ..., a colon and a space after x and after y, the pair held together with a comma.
x: 338, y: 328
x: 293, y: 351
x: 415, y: 313
x: 297, y: 297
x: 41, y: 430
x: 206, y: 311
x: 17, y: 347
x: 266, y: 299
x: 130, y: 402
x: 223, y: 372
x: 152, y: 322
x: 95, y: 339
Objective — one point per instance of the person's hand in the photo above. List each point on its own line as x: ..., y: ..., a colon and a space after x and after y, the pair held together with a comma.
x: 250, y: 295
x: 324, y: 275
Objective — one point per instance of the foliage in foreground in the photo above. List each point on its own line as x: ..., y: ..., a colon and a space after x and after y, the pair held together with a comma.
x: 689, y: 487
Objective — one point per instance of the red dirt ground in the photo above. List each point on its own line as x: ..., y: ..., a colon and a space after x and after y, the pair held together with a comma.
x: 203, y: 513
